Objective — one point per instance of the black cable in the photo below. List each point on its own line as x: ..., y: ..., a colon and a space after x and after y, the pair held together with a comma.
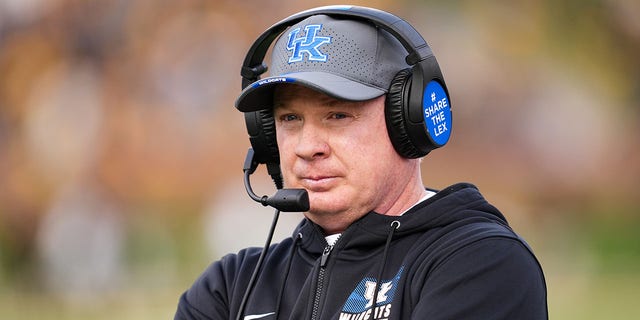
x: 249, y: 167
x: 257, y: 270
x: 288, y: 200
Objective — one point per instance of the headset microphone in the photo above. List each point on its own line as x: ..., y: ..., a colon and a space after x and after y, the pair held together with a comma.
x: 285, y: 200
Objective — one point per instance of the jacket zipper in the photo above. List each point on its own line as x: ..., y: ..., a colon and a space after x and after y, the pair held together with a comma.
x: 320, y: 284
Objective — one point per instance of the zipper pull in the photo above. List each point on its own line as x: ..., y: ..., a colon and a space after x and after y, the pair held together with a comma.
x: 325, y: 256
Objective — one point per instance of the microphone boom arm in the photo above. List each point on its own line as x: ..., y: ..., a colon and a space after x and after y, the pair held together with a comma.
x: 285, y: 200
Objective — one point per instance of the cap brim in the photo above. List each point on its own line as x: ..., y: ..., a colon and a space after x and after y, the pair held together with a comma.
x: 259, y: 95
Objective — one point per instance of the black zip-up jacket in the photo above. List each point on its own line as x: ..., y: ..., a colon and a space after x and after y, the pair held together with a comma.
x: 453, y: 256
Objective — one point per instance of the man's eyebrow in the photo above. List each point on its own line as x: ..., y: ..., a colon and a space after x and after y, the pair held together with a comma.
x: 331, y: 102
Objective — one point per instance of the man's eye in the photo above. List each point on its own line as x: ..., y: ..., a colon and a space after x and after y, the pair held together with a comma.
x: 289, y: 117
x: 339, y: 116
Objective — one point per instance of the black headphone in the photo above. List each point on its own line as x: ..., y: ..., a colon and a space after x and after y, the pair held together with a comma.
x: 417, y: 107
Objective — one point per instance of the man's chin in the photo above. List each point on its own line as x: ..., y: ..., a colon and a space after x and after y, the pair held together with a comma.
x: 334, y: 201
x: 325, y: 205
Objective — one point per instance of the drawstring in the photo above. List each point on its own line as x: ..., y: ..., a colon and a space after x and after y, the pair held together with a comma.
x: 394, y: 226
x: 286, y: 275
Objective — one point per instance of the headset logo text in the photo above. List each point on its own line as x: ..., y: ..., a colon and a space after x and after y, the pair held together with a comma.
x: 308, y: 44
x: 437, y: 113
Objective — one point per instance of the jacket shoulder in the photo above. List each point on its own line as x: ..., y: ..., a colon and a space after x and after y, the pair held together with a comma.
x: 221, y: 285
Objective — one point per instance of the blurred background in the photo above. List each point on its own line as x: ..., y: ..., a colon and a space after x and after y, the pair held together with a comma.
x: 121, y: 151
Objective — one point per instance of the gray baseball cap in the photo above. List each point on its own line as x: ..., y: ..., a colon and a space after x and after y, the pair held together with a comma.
x: 345, y: 59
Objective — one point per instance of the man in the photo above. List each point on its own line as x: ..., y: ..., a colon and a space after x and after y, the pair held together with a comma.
x: 375, y: 243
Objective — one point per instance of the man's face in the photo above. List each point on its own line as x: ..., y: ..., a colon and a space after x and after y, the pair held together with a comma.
x: 340, y: 152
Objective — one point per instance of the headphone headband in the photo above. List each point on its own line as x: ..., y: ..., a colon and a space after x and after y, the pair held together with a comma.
x: 417, y: 106
x: 253, y: 65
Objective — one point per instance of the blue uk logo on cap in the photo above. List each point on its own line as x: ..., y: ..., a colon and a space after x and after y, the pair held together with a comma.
x: 307, y: 45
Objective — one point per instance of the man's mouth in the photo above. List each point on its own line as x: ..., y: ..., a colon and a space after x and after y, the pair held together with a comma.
x: 317, y: 183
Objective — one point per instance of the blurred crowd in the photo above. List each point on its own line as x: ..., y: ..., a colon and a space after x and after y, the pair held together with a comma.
x: 107, y: 107
x: 112, y: 109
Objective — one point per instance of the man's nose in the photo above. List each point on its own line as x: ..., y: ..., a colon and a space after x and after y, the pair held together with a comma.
x: 312, y: 143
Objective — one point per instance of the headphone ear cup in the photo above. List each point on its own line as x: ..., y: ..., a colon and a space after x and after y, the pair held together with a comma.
x: 261, y: 127
x: 395, y: 115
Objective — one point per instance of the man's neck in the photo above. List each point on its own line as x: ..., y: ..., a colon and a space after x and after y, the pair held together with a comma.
x: 332, y: 238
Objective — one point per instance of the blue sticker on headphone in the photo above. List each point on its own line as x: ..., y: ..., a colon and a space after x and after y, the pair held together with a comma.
x: 437, y: 113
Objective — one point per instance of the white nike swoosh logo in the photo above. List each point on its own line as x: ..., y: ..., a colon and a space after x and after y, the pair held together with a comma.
x: 258, y: 316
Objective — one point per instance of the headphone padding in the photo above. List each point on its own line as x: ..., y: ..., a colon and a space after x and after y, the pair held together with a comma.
x: 395, y: 113
x: 262, y: 135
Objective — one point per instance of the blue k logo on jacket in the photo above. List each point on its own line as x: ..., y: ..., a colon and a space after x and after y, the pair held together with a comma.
x: 308, y: 44
x: 359, y: 305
